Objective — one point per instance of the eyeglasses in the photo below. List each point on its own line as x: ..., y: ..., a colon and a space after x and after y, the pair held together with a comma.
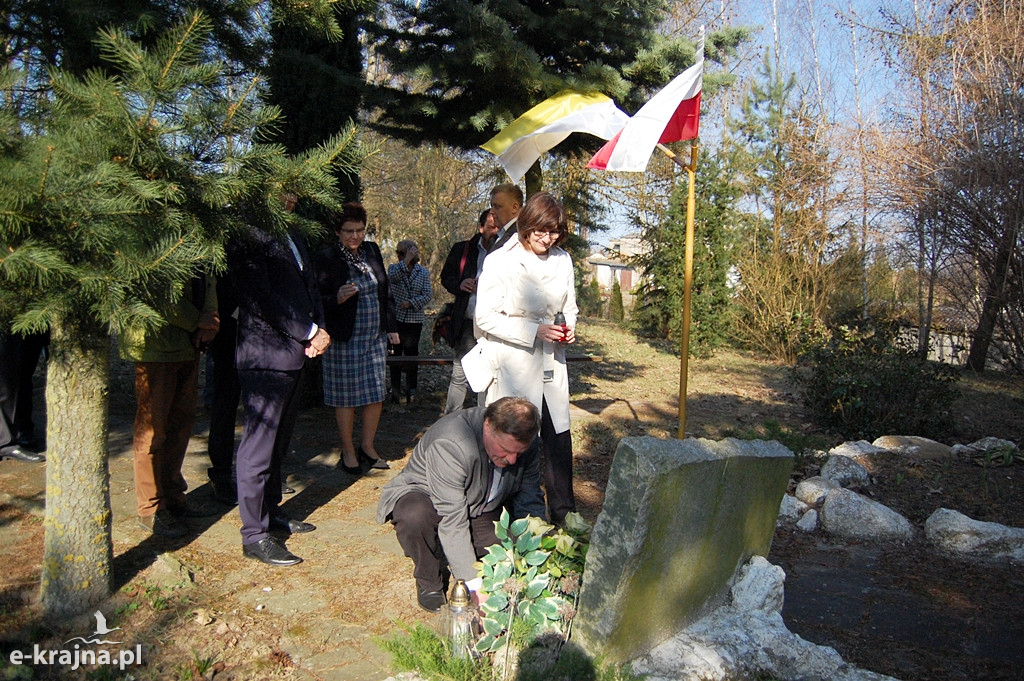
x: 353, y: 231
x: 540, y: 233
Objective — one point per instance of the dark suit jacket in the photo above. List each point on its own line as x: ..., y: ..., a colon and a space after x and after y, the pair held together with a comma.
x: 511, y: 232
x: 277, y: 301
x: 451, y: 466
x: 332, y: 271
x: 451, y: 279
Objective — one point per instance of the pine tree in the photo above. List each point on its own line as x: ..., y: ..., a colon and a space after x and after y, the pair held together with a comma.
x: 457, y: 71
x: 658, y: 309
x: 616, y: 310
x: 132, y: 183
x: 316, y: 80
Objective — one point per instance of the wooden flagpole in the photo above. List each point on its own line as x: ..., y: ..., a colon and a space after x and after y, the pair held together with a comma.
x: 684, y: 349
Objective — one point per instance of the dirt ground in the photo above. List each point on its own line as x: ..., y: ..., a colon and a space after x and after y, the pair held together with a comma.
x: 201, y: 610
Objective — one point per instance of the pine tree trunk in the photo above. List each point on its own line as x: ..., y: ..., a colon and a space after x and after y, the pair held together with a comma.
x: 78, y: 549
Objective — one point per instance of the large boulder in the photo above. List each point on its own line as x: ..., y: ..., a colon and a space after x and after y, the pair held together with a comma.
x: 914, y: 446
x: 848, y: 514
x: 812, y: 491
x: 954, y: 532
x: 860, y: 451
x: 679, y: 518
x: 845, y: 471
x: 791, y: 509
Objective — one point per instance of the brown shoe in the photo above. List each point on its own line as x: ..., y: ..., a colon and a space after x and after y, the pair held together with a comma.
x: 163, y: 524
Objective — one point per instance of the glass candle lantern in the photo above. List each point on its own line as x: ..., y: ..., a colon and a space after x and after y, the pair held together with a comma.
x: 460, y: 621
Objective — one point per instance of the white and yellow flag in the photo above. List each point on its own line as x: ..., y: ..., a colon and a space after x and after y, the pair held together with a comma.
x: 522, y: 142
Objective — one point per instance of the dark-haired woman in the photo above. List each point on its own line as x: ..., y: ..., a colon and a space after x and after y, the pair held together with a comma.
x: 360, y: 316
x: 523, y: 286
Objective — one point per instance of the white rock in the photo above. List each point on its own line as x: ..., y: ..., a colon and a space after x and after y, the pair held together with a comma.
x: 845, y: 471
x: 791, y: 509
x: 848, y: 514
x: 913, y: 445
x: 954, y: 532
x: 987, y: 444
x: 759, y: 586
x: 812, y: 491
x: 747, y: 639
x: 809, y: 522
x: 856, y: 450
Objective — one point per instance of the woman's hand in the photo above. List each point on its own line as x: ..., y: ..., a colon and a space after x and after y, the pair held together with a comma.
x: 346, y: 291
x: 555, y: 333
x: 394, y: 339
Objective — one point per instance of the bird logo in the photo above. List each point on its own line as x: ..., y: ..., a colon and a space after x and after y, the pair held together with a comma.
x: 97, y: 636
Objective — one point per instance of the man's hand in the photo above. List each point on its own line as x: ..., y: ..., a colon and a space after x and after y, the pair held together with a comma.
x: 468, y: 285
x: 318, y: 344
x: 394, y: 339
x: 209, y: 321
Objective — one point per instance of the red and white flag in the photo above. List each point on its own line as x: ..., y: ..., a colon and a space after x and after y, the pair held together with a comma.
x: 673, y: 114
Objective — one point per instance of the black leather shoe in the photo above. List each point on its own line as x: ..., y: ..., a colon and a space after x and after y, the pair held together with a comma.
x: 431, y: 601
x: 376, y: 464
x: 285, y: 489
x: 19, y: 454
x: 286, y: 524
x: 351, y: 470
x: 271, y: 551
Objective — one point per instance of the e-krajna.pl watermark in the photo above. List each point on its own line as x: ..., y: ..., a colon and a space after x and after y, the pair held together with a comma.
x: 77, y: 656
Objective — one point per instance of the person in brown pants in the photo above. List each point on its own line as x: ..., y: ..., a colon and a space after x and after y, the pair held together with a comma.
x: 166, y: 381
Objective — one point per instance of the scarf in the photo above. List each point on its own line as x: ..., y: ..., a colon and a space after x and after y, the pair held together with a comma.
x: 355, y: 258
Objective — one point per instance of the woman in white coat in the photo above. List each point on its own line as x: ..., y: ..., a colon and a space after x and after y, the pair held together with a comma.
x: 522, y: 288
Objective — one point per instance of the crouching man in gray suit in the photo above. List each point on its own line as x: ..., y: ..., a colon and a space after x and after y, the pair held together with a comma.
x: 464, y: 470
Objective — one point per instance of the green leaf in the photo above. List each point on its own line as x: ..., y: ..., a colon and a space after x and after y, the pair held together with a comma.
x: 548, y: 607
x: 519, y: 527
x: 484, y: 644
x: 527, y: 543
x: 491, y: 627
x: 536, y: 588
x: 497, y: 601
x: 536, y: 557
x: 502, y: 572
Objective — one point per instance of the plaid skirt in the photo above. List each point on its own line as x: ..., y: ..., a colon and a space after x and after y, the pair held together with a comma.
x: 355, y: 371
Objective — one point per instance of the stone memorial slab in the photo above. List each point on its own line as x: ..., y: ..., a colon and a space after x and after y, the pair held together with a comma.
x: 679, y: 518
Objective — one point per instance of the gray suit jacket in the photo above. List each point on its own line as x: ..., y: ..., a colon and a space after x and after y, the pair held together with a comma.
x: 451, y: 466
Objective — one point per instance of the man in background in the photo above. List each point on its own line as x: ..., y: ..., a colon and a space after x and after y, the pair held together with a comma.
x: 459, y: 276
x: 506, y: 202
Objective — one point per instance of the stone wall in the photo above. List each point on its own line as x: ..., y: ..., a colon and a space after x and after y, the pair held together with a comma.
x: 679, y: 518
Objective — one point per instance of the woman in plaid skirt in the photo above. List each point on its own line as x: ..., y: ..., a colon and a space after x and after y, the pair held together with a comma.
x: 360, y: 315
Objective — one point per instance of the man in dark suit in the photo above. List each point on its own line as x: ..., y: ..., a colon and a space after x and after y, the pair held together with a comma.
x: 12, y: 351
x: 280, y: 321
x: 458, y: 276
x: 463, y: 471
x: 506, y: 202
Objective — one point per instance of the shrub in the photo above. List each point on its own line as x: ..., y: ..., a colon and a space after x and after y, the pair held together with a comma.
x: 862, y: 384
x: 588, y: 298
x: 616, y: 310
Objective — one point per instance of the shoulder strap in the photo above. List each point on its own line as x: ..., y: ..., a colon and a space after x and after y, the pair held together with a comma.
x: 465, y: 254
